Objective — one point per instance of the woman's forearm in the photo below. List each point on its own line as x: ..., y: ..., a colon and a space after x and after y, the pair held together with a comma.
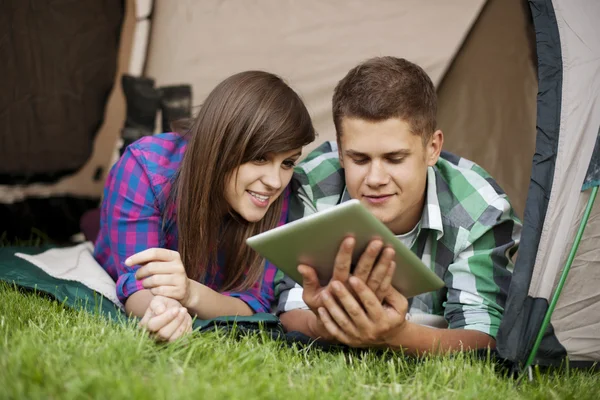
x: 205, y: 303
x: 138, y: 303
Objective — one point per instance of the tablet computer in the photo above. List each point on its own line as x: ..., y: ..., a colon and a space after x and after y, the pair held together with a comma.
x: 314, y: 240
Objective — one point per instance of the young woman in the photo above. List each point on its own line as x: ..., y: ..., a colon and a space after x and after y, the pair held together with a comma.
x: 177, y: 208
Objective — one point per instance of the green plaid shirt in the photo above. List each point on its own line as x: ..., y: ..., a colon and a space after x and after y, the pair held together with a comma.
x: 468, y: 234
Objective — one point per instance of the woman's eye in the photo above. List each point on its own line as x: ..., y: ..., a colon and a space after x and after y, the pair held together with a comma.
x: 287, y: 164
x: 260, y: 160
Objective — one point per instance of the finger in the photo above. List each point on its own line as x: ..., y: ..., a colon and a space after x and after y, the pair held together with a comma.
x: 331, y: 327
x: 154, y: 254
x: 147, y: 315
x: 343, y: 260
x: 378, y: 273
x: 340, y: 315
x: 156, y: 268
x: 397, y: 302
x: 367, y: 259
x: 173, y: 292
x: 169, y: 329
x: 159, y: 280
x: 158, y: 305
x: 370, y: 302
x: 310, y: 281
x: 386, y: 283
x: 181, y: 330
x: 159, y: 321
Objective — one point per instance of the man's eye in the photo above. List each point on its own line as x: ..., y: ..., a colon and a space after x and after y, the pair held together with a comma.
x: 396, y: 160
x: 360, y: 161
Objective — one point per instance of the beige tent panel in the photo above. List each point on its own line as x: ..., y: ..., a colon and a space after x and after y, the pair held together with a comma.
x: 576, y: 319
x: 487, y: 100
x: 311, y: 43
x: 579, y: 122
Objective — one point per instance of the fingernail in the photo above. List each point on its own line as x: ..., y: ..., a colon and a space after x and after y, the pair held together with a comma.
x: 160, y: 308
x: 353, y: 280
x: 337, y: 286
x: 325, y: 296
x: 174, y: 312
x: 321, y: 311
x: 182, y: 310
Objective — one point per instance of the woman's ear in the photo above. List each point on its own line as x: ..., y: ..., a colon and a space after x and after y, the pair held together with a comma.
x: 434, y: 147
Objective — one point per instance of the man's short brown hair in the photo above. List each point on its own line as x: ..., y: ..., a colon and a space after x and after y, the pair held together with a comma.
x: 387, y: 87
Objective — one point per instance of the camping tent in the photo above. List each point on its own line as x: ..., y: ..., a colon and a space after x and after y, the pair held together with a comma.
x: 566, y: 166
x: 481, y: 55
x: 477, y: 53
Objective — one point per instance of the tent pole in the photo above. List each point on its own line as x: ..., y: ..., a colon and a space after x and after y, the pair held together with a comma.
x: 563, y: 278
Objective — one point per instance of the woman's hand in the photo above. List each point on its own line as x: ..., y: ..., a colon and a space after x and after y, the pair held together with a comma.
x: 166, y: 319
x: 163, y: 274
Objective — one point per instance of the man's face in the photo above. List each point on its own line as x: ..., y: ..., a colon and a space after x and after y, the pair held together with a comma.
x: 386, y: 168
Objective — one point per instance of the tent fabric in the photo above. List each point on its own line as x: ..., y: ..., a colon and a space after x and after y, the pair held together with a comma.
x: 479, y: 57
x: 312, y: 43
x: 576, y: 319
x: 487, y: 99
x: 54, y: 84
x: 55, y: 208
x: 579, y: 122
x: 523, y: 315
x: 568, y: 121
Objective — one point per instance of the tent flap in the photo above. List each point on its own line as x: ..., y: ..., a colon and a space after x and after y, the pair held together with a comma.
x: 516, y: 323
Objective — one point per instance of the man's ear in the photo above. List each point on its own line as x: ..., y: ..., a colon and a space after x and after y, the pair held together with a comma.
x: 434, y: 147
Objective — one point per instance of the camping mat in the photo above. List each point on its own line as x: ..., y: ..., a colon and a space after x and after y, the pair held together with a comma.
x: 22, y: 273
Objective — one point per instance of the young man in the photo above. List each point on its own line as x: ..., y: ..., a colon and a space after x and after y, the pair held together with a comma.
x: 448, y: 210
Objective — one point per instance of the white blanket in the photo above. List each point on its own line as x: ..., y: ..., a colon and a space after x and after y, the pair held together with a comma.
x: 76, y: 263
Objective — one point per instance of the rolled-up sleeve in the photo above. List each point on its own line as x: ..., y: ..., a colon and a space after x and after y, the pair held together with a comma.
x: 130, y: 222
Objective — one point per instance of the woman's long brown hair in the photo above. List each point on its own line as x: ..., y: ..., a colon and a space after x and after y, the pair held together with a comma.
x: 245, y: 117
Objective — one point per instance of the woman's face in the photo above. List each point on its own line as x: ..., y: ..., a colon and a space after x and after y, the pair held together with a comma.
x: 254, y: 186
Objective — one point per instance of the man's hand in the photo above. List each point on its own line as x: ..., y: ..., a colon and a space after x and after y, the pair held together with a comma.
x: 378, y: 276
x: 366, y: 322
x: 166, y: 319
x: 163, y: 273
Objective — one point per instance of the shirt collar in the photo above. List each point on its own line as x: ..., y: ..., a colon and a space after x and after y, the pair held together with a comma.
x: 432, y: 215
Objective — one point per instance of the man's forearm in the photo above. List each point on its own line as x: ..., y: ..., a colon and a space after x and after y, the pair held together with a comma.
x: 414, y: 339
x: 419, y: 339
x: 298, y: 320
x: 305, y: 321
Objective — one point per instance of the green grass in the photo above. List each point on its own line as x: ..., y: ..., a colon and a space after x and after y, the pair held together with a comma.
x: 48, y: 351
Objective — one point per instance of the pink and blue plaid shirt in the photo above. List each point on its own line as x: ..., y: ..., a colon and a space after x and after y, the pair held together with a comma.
x: 135, y: 202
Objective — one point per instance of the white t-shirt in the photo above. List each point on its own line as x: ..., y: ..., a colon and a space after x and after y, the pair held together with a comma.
x: 409, y: 238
